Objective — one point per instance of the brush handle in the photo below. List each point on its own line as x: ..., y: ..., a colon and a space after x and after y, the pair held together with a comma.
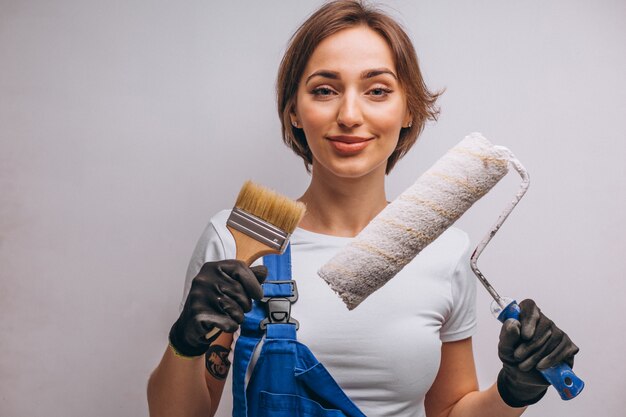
x: 248, y: 248
x: 560, y: 376
x: 248, y: 251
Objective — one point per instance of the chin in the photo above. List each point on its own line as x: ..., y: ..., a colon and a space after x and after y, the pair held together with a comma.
x: 352, y: 169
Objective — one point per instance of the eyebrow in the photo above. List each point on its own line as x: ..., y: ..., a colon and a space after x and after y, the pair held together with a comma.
x: 334, y: 75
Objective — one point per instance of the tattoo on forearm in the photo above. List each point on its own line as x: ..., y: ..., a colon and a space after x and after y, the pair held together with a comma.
x: 217, y: 362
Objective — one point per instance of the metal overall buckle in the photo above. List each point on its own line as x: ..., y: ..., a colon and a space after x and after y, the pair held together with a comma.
x: 279, y: 307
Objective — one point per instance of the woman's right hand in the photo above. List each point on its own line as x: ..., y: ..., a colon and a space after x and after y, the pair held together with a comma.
x: 219, y: 297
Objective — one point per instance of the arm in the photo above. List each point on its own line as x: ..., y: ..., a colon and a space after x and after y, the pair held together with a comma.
x: 455, y: 390
x: 176, y: 388
x: 190, y: 377
x: 184, y: 386
x: 534, y: 342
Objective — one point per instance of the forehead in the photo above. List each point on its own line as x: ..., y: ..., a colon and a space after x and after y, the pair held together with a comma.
x: 351, y: 50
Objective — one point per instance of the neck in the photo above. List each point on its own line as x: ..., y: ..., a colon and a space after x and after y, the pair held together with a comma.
x: 342, y: 206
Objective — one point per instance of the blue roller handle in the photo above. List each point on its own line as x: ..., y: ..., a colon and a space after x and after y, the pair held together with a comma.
x: 560, y: 376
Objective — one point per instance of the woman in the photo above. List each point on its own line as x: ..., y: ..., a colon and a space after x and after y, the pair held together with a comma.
x: 352, y: 102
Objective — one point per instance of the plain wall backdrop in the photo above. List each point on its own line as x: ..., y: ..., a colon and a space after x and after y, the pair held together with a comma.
x: 125, y: 125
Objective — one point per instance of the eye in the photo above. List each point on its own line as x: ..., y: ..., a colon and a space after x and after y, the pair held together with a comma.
x: 379, y: 92
x: 322, y: 92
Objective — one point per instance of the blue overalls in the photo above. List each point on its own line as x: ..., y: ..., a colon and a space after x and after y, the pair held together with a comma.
x: 287, y: 381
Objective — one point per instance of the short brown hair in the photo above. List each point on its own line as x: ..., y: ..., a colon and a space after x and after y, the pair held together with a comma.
x: 328, y: 20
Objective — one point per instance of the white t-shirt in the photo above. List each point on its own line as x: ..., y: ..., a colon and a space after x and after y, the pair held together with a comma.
x: 385, y: 354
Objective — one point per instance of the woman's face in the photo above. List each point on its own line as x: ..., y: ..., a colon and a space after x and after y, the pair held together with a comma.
x: 350, y: 104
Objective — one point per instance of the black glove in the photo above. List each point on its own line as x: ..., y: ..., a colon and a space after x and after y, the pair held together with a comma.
x: 534, y: 342
x: 219, y: 296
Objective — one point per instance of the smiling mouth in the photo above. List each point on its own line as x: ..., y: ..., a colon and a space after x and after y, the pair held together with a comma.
x: 349, y: 146
x: 348, y: 139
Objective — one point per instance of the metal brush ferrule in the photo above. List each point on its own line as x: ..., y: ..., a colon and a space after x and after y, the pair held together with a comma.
x: 258, y: 229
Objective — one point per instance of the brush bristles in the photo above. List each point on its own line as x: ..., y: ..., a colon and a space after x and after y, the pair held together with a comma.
x: 270, y: 206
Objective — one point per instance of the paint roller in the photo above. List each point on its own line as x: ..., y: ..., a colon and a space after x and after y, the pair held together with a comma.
x: 422, y: 213
x: 415, y: 219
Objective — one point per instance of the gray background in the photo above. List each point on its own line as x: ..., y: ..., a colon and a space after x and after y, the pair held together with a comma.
x: 124, y: 125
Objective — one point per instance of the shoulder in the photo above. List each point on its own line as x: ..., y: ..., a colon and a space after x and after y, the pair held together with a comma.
x: 456, y: 239
x: 216, y: 243
x: 451, y: 248
x: 217, y: 236
x: 218, y: 222
x: 459, y: 243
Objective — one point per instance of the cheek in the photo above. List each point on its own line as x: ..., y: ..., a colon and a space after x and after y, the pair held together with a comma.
x: 388, y: 127
x: 316, y: 116
x: 388, y: 118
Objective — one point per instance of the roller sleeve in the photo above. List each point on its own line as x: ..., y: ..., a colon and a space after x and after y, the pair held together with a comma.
x: 416, y: 218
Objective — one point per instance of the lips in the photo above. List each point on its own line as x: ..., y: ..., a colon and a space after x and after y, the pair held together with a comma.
x: 349, y: 145
x: 348, y: 139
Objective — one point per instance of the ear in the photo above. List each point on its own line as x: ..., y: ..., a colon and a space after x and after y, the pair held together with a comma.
x: 293, y: 117
x: 408, y: 120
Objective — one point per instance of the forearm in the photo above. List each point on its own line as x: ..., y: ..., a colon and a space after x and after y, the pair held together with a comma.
x: 484, y: 404
x: 216, y: 304
x: 177, y: 388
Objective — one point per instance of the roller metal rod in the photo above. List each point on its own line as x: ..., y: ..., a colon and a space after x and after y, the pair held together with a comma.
x: 481, y: 246
x: 560, y: 376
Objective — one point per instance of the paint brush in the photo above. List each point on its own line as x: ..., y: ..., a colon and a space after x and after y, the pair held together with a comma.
x: 261, y: 223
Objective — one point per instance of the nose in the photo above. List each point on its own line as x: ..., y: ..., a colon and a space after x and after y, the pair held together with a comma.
x: 349, y: 113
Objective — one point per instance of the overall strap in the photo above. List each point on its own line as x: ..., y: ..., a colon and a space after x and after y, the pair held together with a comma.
x: 279, y: 292
x: 287, y: 379
x: 279, y: 266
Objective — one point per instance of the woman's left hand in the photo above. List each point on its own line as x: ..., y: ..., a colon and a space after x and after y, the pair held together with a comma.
x: 533, y: 343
